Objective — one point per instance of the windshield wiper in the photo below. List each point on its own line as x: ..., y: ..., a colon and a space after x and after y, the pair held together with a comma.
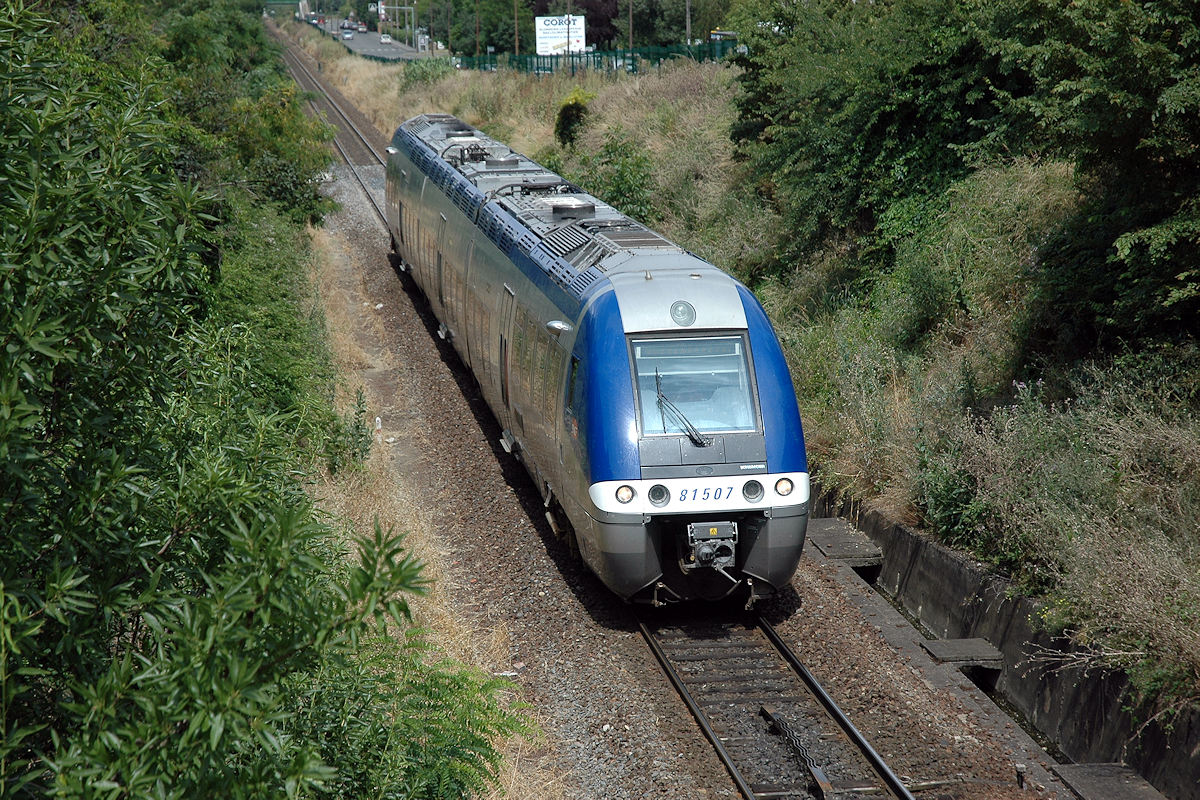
x: 664, y: 403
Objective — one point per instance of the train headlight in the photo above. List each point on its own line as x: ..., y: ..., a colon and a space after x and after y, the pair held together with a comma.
x: 682, y: 313
x: 659, y: 496
x: 752, y: 491
x: 625, y: 494
x: 783, y: 487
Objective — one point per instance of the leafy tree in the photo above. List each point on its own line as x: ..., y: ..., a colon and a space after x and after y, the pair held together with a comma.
x: 1115, y: 86
x: 239, y: 121
x: 454, y: 24
x: 852, y: 107
x: 170, y: 607
x: 856, y: 112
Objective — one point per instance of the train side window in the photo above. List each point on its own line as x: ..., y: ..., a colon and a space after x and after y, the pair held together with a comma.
x: 549, y: 376
x: 477, y: 338
x: 573, y: 387
x: 520, y: 345
x: 529, y: 364
x: 538, y: 365
x: 529, y: 361
x: 574, y: 407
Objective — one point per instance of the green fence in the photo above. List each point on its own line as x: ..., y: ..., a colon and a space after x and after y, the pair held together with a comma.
x: 638, y: 59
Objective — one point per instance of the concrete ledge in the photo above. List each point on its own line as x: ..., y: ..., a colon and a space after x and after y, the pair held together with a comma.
x: 964, y: 653
x: 1106, y: 782
x: 839, y: 541
x: 1092, y: 716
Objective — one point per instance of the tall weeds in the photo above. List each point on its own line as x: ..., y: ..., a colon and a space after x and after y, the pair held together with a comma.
x: 1094, y: 501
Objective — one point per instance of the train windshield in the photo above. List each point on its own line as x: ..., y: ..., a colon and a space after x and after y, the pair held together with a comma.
x: 693, y: 386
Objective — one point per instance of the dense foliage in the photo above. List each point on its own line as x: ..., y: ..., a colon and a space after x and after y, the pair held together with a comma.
x: 859, y: 115
x: 990, y: 285
x: 175, y: 619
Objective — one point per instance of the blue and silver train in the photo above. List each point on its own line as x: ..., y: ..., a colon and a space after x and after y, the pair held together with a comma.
x: 643, y: 388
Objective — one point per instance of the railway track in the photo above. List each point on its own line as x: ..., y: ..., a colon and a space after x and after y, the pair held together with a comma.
x: 777, y: 732
x: 355, y: 148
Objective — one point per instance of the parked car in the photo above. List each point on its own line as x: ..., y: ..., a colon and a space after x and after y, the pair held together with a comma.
x: 385, y: 39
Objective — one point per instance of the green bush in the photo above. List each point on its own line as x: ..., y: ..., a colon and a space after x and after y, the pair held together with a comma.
x: 168, y: 600
x: 424, y: 71
x: 851, y: 107
x: 620, y: 174
x: 572, y: 115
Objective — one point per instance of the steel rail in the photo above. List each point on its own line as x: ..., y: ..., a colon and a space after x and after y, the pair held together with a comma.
x: 298, y: 69
x: 892, y: 783
x: 697, y: 712
x: 336, y: 107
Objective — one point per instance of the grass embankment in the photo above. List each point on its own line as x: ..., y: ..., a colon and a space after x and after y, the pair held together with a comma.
x: 920, y: 394
x: 362, y: 496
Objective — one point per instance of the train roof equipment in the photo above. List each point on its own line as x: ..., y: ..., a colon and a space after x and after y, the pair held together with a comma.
x: 572, y: 236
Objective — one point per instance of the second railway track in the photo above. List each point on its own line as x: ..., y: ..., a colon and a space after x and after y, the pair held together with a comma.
x: 353, y: 145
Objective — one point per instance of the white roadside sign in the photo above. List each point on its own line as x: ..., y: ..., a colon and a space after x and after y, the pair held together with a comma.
x: 559, y: 35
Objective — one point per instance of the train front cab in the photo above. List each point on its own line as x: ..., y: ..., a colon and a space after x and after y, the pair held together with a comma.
x: 698, y: 484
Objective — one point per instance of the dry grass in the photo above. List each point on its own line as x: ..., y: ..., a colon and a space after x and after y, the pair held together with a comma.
x: 518, y: 109
x: 884, y: 376
x: 376, y: 493
x: 679, y: 114
x: 1102, y: 494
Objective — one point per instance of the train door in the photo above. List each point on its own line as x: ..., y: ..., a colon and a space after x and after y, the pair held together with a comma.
x: 390, y: 203
x: 406, y: 221
x: 421, y: 240
x: 507, y: 301
x: 572, y: 413
x: 468, y: 300
x: 395, y: 212
x: 440, y: 246
x: 553, y: 361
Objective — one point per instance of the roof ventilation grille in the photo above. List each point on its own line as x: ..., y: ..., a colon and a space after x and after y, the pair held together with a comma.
x: 564, y: 240
x: 584, y: 280
x: 636, y: 237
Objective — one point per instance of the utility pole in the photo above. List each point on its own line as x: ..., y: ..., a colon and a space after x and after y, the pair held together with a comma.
x: 516, y: 31
x: 688, y: 6
x: 477, y: 28
x: 572, y: 61
x: 630, y: 26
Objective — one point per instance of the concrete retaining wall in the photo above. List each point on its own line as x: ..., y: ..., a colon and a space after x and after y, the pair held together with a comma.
x: 1086, y: 715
